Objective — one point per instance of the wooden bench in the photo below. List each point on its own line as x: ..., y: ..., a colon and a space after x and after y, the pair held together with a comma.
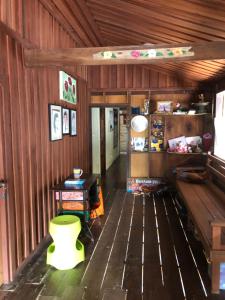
x: 206, y: 207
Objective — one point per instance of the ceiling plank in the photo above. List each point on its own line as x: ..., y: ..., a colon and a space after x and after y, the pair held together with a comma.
x: 154, y: 17
x: 215, y: 26
x: 90, y: 19
x: 84, y: 56
x: 69, y: 16
x: 52, y: 9
x: 82, y: 20
x: 134, y: 22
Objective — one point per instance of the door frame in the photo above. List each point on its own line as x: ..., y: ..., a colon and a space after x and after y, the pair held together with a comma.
x: 102, y: 108
x: 5, y: 269
x: 102, y: 141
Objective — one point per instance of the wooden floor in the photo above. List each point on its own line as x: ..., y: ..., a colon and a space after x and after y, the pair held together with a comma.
x: 142, y: 250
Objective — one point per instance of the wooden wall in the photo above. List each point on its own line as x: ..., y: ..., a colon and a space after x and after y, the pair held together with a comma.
x: 132, y: 76
x: 31, y: 163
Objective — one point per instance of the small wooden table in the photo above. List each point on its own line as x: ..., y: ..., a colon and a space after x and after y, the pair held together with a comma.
x: 75, y: 199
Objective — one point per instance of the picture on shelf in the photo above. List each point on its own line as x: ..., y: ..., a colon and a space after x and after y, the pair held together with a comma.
x: 55, y: 122
x: 139, y: 144
x: 178, y: 144
x: 194, y: 144
x: 164, y: 107
x: 184, y: 144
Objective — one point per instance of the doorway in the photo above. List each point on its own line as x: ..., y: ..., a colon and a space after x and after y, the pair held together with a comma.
x: 107, y: 138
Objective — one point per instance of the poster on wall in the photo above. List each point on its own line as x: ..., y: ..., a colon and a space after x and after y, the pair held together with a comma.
x: 55, y: 122
x: 111, y: 121
x: 73, y: 122
x: 65, y: 120
x: 67, y: 88
x: 115, y: 126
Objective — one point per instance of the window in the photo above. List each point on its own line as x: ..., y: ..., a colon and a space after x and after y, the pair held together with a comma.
x: 219, y: 122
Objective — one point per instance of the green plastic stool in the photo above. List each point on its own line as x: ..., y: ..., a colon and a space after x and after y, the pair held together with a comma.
x: 66, y: 251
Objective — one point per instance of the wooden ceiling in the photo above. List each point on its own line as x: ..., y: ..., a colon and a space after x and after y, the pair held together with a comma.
x: 136, y: 22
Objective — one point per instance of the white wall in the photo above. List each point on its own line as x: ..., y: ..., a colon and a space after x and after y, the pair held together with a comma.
x: 96, y: 160
x: 111, y: 152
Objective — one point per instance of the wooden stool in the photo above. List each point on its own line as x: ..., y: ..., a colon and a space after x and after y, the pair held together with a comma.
x: 66, y: 251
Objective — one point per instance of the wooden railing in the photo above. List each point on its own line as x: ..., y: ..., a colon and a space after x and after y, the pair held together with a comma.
x: 216, y: 167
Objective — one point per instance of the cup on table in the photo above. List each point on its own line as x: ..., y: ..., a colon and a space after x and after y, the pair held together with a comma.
x: 77, y: 172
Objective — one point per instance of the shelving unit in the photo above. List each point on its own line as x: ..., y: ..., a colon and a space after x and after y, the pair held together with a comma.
x: 158, y: 162
x: 152, y: 163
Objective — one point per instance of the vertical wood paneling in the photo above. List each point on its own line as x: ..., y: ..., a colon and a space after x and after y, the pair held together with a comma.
x: 2, y: 170
x: 32, y: 163
x: 132, y: 76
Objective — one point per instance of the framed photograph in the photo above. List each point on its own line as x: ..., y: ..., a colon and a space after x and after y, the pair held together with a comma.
x: 73, y: 122
x: 55, y: 122
x: 67, y: 87
x: 65, y: 121
x: 178, y: 144
x: 164, y: 107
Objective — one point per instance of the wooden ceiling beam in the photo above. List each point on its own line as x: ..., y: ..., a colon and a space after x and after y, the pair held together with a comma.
x: 84, y: 56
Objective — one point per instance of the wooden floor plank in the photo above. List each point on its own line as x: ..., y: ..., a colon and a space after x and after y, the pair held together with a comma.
x: 114, y: 294
x: 115, y: 268
x: 96, y: 267
x: 192, y: 287
x: 133, y: 275
x: 172, y: 284
x: 27, y: 291
x: 153, y: 287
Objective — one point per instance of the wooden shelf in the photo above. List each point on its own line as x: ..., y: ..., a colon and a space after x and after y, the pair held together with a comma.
x: 180, y: 153
x: 163, y: 151
x: 179, y: 115
x: 158, y: 163
x: 138, y: 152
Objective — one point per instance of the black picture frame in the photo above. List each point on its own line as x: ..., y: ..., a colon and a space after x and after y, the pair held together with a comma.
x: 65, y: 120
x: 55, y: 122
x: 73, y: 122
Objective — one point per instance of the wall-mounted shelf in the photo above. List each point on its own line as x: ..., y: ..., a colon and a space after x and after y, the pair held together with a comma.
x: 189, y: 153
x: 153, y: 163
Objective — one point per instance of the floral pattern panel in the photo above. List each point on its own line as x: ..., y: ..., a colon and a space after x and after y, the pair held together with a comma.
x: 146, y: 53
x: 67, y: 88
